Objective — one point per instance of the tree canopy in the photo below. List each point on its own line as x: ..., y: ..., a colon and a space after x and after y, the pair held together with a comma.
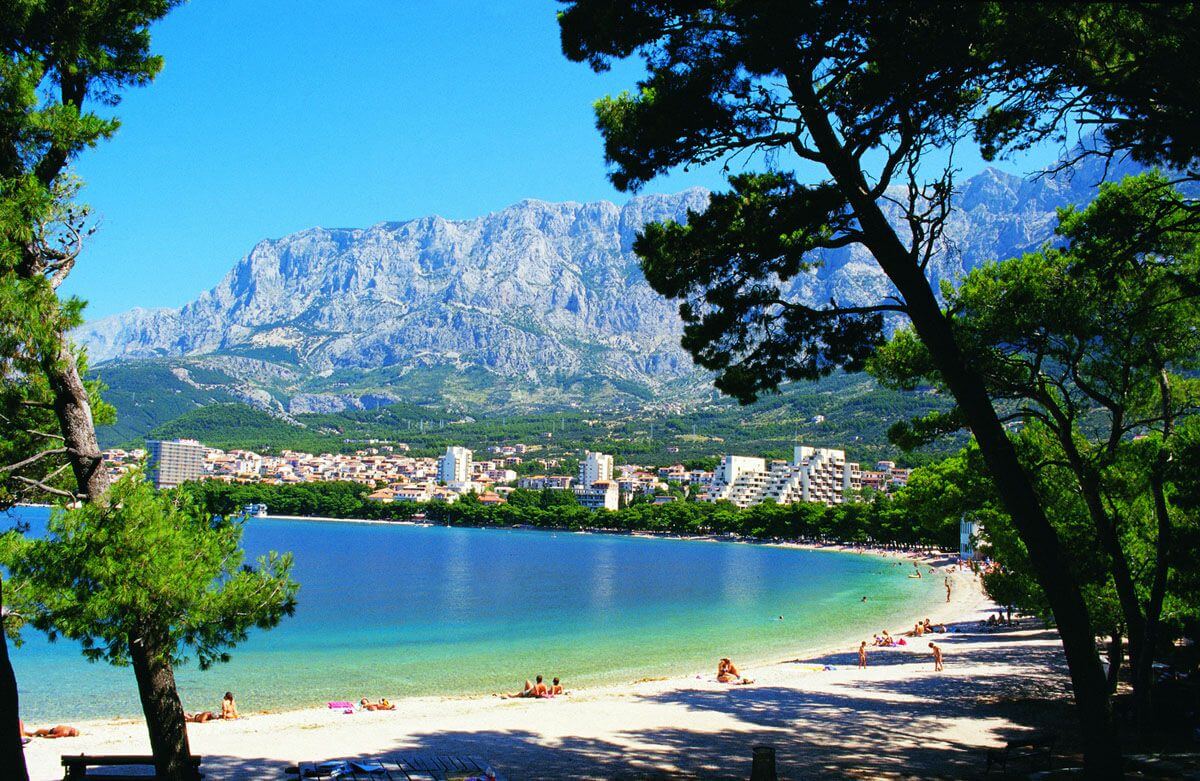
x: 867, y: 100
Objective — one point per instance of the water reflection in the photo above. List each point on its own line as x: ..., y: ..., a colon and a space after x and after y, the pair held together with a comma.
x: 604, y: 573
x: 457, y: 593
x: 741, y: 574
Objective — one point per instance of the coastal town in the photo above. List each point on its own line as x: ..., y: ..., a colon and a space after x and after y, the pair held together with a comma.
x: 822, y: 475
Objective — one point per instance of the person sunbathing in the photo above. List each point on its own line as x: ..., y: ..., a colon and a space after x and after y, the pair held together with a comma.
x: 556, y: 688
x: 727, y: 672
x: 200, y: 716
x: 59, y: 731
x: 229, y: 707
x: 536, y: 689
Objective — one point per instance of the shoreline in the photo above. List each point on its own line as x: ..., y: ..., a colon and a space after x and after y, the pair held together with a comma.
x: 263, y: 743
x: 924, y: 555
x: 960, y: 610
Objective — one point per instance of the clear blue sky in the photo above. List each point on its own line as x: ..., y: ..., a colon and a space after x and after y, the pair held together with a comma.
x: 271, y: 117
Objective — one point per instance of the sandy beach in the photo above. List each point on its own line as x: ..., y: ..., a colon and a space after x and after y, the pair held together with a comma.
x: 896, y: 718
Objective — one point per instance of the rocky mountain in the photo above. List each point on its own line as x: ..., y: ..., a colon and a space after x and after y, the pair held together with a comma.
x: 536, y: 295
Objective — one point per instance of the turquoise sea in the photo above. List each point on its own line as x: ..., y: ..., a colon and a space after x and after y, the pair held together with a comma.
x: 396, y: 610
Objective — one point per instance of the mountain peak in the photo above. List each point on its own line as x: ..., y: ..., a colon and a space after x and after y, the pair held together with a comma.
x: 539, y: 289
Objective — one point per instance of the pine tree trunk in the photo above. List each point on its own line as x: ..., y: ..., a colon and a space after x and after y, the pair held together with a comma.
x: 74, y: 412
x: 1102, y: 757
x: 163, y: 711
x: 1143, y: 665
x: 1102, y: 754
x: 12, y: 753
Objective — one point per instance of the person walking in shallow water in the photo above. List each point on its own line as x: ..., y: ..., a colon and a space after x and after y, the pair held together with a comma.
x: 947, y: 588
x: 862, y: 655
x: 937, y: 658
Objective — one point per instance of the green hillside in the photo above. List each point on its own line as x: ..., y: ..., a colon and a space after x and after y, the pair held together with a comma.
x: 857, y: 415
x: 148, y: 394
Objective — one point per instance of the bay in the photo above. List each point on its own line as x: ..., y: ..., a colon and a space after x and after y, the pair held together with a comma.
x: 400, y: 610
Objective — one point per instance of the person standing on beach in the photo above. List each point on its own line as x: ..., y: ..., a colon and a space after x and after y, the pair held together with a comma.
x: 947, y: 588
x: 862, y: 655
x: 937, y: 658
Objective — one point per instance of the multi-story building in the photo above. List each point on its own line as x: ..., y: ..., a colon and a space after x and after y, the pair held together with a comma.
x: 594, y: 468
x: 541, y: 482
x: 175, y: 461
x: 600, y: 495
x: 968, y: 535
x: 814, y: 475
x: 455, y: 466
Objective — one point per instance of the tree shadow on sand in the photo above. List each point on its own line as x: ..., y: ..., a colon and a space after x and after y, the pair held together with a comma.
x: 863, y: 728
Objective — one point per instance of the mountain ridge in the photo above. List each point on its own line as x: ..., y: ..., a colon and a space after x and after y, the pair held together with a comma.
x: 537, y: 302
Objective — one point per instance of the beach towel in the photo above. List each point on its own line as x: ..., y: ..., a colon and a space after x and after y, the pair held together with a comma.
x: 340, y: 705
x: 338, y: 768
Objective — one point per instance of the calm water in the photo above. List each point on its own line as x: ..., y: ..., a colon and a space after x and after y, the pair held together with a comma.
x: 402, y: 610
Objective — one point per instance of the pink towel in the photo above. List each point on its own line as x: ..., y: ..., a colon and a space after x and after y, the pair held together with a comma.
x: 341, y: 705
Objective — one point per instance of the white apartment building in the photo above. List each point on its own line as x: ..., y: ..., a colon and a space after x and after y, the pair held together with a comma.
x: 594, y: 468
x: 455, y: 466
x: 814, y: 475
x: 600, y: 495
x: 174, y: 462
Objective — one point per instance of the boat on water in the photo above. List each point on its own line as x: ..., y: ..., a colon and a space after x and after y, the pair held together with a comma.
x: 255, y: 511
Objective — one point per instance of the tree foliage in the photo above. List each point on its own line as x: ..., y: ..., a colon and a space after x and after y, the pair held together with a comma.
x: 1094, y: 347
x: 865, y: 91
x: 146, y: 563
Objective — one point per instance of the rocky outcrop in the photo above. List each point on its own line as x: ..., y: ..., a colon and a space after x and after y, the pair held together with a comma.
x: 536, y: 290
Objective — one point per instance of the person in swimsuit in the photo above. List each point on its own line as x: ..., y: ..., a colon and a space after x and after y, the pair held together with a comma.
x: 536, y: 689
x: 728, y: 673
x: 937, y: 658
x: 229, y: 707
x: 556, y: 687
x: 200, y: 716
x: 59, y: 731
x: 862, y: 655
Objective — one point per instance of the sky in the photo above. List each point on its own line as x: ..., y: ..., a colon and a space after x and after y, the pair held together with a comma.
x: 271, y: 117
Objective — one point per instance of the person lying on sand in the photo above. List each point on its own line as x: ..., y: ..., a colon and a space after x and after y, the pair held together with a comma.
x: 200, y: 716
x: 59, y: 731
x: 728, y: 673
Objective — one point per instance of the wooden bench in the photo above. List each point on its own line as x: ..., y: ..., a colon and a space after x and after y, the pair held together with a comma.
x: 77, y: 766
x: 1030, y: 746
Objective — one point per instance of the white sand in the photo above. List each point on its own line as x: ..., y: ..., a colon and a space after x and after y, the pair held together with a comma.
x: 897, y: 714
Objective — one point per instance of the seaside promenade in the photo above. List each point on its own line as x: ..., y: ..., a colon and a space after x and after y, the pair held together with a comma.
x: 896, y: 718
